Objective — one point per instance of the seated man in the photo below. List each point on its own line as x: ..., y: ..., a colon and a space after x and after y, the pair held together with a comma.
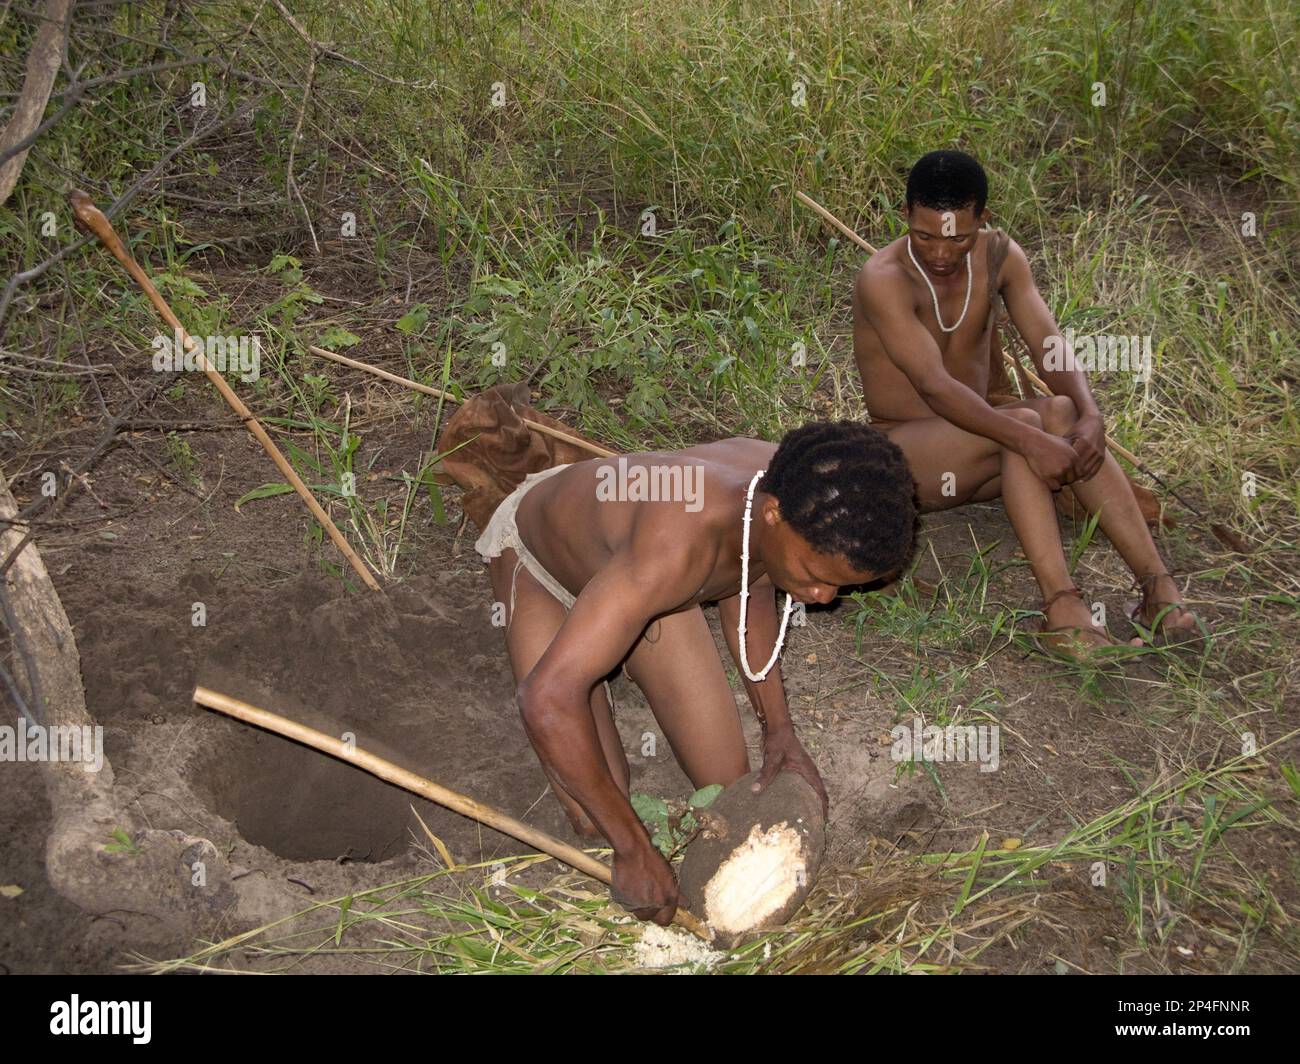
x: 923, y: 321
x: 595, y: 575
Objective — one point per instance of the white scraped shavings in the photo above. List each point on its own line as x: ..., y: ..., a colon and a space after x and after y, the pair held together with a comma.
x: 663, y: 947
x: 759, y: 877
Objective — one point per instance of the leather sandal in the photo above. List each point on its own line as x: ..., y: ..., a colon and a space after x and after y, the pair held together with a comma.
x: 1072, y: 643
x: 1165, y: 635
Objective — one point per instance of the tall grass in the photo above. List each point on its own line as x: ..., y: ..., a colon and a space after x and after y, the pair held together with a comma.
x: 711, y: 115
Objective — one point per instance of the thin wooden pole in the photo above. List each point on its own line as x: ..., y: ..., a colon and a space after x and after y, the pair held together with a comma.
x: 425, y: 788
x: 827, y: 216
x: 90, y: 219
x: 438, y: 393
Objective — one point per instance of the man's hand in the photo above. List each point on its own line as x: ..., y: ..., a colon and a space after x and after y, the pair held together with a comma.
x: 1052, y: 459
x: 644, y: 885
x: 1088, y: 438
x: 782, y: 750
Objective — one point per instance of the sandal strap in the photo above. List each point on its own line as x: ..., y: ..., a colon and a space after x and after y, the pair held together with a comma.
x: 1146, y: 584
x: 1051, y: 600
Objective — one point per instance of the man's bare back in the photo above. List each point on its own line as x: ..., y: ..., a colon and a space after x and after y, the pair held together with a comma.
x: 575, y: 533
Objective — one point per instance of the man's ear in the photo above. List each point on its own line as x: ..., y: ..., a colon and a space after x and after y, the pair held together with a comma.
x: 772, y: 511
x: 985, y: 215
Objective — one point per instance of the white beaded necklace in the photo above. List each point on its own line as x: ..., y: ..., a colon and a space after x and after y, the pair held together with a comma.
x: 744, y: 595
x: 935, y: 298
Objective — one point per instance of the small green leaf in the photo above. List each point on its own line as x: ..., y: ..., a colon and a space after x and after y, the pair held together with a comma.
x: 435, y: 500
x: 122, y: 843
x: 499, y: 286
x: 177, y: 285
x: 286, y: 265
x: 413, y: 320
x: 264, y: 492
x: 336, y: 336
x: 343, y: 913
x: 649, y: 808
x: 704, y: 797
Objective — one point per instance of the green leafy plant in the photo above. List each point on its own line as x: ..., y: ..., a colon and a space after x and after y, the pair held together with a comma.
x: 335, y: 337
x: 180, y: 455
x: 122, y: 843
x: 670, y: 831
x: 290, y: 306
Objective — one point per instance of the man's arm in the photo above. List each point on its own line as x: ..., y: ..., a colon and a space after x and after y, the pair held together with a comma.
x: 1034, y: 321
x: 641, y: 582
x: 887, y: 302
x: 781, y: 747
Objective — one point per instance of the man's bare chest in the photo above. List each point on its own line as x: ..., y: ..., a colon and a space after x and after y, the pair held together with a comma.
x: 968, y: 343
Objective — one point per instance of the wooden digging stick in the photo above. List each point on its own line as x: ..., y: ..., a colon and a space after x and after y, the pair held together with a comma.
x: 438, y: 393
x: 91, y: 220
x: 386, y: 770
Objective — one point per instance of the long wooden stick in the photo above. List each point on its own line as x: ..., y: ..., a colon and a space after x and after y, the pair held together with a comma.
x: 425, y: 788
x: 90, y: 219
x: 438, y: 393
x: 827, y: 216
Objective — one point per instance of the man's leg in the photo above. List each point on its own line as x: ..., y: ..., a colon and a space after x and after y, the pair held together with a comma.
x: 530, y: 626
x: 676, y: 664
x: 1108, y: 494
x: 952, y: 466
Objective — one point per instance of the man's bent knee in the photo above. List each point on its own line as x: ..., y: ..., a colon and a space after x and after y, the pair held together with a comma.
x: 1024, y: 414
x: 1059, y: 414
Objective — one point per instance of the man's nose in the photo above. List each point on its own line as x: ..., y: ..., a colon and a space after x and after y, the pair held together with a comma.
x: 823, y: 594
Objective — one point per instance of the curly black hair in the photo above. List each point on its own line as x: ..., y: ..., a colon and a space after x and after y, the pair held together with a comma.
x: 847, y: 489
x: 948, y: 181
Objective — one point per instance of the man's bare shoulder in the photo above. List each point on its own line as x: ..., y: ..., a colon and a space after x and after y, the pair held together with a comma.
x: 734, y: 451
x: 673, y: 545
x: 715, y: 475
x: 1015, y: 264
x: 882, y: 277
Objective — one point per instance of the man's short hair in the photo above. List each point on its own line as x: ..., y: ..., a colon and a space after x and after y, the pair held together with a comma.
x: 948, y: 181
x: 847, y: 489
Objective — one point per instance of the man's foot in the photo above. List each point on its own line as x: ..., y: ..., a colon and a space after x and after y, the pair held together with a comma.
x: 1068, y: 631
x: 1161, y: 610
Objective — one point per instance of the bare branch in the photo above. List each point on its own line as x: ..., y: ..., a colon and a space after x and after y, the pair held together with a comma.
x: 27, y: 276
x: 43, y: 63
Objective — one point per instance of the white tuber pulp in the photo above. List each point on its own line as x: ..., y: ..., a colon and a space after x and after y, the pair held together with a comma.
x: 756, y: 881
